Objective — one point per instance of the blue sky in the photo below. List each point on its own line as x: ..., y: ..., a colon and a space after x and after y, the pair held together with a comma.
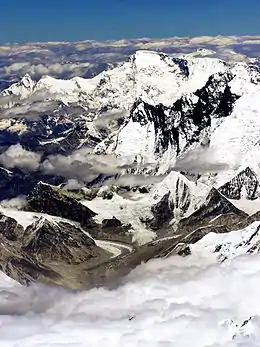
x: 71, y: 20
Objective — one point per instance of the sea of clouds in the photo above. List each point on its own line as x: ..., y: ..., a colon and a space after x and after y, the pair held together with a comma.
x: 182, y: 302
x: 88, y: 58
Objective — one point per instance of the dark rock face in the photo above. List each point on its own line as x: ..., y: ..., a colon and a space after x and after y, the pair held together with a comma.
x: 182, y: 196
x: 162, y: 211
x: 188, y: 117
x: 216, y: 206
x: 9, y: 228
x: 143, y: 190
x: 51, y: 200
x: 183, y: 65
x: 168, y: 130
x: 54, y: 201
x: 246, y: 179
x: 47, y: 241
x: 15, y: 182
x: 47, y: 251
x: 217, y: 94
x: 249, y: 220
x: 169, y: 206
x: 111, y: 223
x: 113, y: 229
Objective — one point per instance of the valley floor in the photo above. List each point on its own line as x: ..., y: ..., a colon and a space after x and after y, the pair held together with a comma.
x: 192, y: 301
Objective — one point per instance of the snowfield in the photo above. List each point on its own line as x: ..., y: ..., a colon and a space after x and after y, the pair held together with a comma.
x: 192, y: 301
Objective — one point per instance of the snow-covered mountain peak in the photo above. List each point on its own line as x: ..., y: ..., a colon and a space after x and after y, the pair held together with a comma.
x: 65, y: 90
x: 153, y: 60
x: 167, y: 106
x: 152, y: 76
x: 27, y: 81
x: 147, y: 58
x: 22, y: 89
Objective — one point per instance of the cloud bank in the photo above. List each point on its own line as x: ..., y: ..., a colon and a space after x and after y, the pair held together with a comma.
x: 201, y: 160
x: 178, y: 301
x: 18, y: 157
x: 88, y: 58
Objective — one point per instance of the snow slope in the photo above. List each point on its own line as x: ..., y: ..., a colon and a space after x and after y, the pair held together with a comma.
x: 152, y: 76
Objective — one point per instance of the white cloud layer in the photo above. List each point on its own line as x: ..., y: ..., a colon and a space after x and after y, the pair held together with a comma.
x: 83, y: 165
x: 18, y: 202
x: 18, y: 157
x: 68, y: 59
x: 184, y: 302
x: 202, y: 160
x: 23, y: 68
x: 135, y: 180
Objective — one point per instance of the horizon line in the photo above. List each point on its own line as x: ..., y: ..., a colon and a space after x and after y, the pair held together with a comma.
x: 129, y: 39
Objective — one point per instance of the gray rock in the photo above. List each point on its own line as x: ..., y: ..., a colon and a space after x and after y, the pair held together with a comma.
x: 216, y: 210
x: 113, y: 229
x: 249, y: 220
x: 246, y: 179
x: 47, y: 252
x: 162, y: 213
x: 111, y: 223
x: 52, y: 200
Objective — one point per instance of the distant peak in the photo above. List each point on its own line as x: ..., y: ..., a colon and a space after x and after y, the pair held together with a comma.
x: 145, y: 52
x: 153, y: 55
x: 146, y: 59
x: 27, y: 81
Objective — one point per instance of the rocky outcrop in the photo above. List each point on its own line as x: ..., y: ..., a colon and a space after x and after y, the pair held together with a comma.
x: 162, y: 212
x: 57, y: 251
x: 10, y: 229
x: 61, y: 203
x: 245, y: 183
x: 215, y: 211
x: 217, y: 94
x: 114, y: 229
x: 189, y: 117
x: 58, y: 241
x: 15, y: 182
x: 47, y: 251
x: 52, y: 200
x: 248, y: 220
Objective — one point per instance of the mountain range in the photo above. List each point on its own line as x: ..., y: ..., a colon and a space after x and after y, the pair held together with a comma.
x: 138, y: 162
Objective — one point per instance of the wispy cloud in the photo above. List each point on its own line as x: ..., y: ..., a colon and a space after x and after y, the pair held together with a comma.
x: 84, y: 165
x: 38, y: 70
x: 109, y: 116
x: 30, y: 110
x: 18, y: 202
x: 135, y: 180
x: 18, y: 157
x: 199, y: 161
x: 8, y: 99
